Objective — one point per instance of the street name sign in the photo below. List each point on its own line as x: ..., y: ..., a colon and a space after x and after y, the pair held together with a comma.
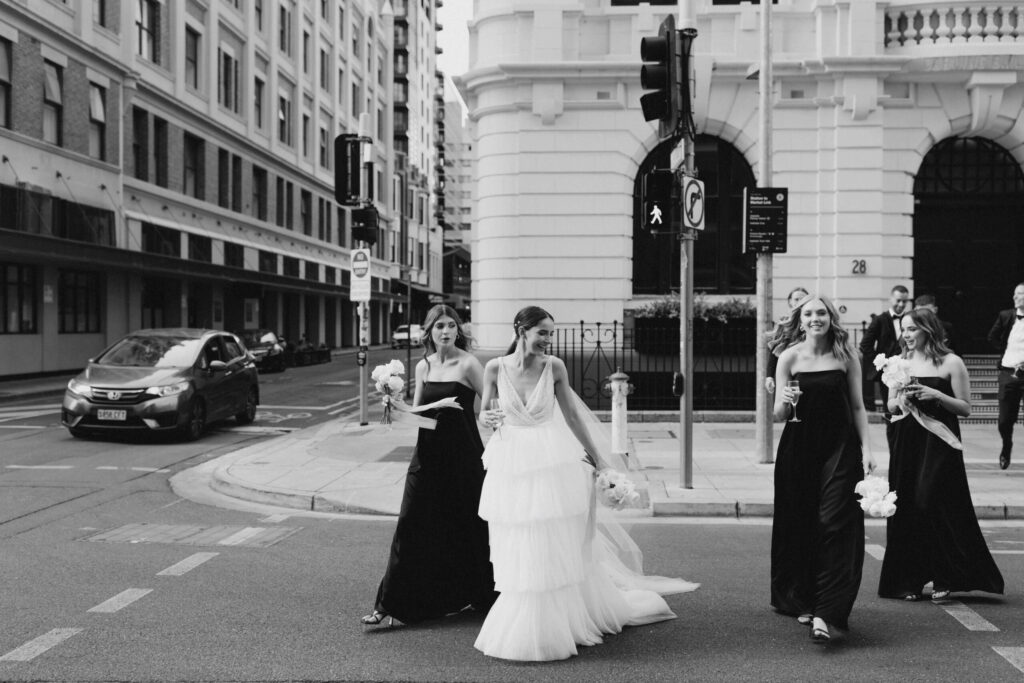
x: 765, y: 216
x: 360, y: 284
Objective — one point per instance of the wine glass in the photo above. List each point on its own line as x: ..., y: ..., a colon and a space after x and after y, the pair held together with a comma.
x: 795, y: 386
x: 495, y: 404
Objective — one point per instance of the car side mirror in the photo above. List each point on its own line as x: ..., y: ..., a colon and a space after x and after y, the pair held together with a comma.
x: 218, y: 366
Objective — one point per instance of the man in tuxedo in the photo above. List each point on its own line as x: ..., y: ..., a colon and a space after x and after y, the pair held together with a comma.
x: 1007, y: 335
x: 883, y: 336
x: 928, y: 301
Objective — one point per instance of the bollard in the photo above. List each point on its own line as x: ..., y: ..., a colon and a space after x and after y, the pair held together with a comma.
x: 620, y: 388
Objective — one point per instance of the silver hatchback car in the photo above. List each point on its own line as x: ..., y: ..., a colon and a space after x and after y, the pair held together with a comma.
x: 172, y: 379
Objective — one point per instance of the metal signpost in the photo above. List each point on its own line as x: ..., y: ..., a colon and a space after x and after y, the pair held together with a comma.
x: 359, y: 293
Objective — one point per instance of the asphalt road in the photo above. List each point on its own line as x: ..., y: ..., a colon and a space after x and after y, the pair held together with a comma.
x: 109, y: 575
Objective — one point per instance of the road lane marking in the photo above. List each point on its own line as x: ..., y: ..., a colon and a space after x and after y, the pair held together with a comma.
x: 1014, y: 655
x: 275, y: 519
x: 22, y: 426
x: 38, y: 646
x: 874, y: 550
x: 971, y: 620
x: 120, y: 601
x: 241, y: 536
x: 149, y: 469
x: 108, y: 467
x: 39, y: 467
x: 187, y: 565
x: 1007, y: 552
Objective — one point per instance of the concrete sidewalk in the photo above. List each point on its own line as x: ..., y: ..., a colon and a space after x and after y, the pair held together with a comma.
x: 344, y: 467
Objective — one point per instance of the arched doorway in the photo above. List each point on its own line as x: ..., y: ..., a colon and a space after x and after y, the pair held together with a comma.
x: 720, y: 266
x: 968, y: 234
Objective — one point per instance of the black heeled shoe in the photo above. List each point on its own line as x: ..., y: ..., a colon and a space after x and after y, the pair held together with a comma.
x: 376, y: 618
x: 820, y: 633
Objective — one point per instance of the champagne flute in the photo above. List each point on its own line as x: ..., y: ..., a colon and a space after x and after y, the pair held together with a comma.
x: 795, y: 386
x: 495, y: 404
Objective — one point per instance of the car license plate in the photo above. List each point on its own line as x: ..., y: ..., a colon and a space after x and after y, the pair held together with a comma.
x: 121, y: 415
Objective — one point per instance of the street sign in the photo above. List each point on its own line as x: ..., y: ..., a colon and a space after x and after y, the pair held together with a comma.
x: 693, y: 203
x: 765, y: 214
x: 360, y: 287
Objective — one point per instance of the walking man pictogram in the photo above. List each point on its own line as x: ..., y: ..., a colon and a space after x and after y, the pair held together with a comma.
x: 656, y: 215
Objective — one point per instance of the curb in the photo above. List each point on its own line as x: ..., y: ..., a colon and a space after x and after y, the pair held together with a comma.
x: 741, y: 510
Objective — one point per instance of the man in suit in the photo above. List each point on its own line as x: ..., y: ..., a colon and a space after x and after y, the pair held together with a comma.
x: 1007, y: 335
x: 928, y: 301
x: 883, y: 336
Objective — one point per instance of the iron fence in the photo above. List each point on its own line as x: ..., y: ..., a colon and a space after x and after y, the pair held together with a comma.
x: 724, y: 362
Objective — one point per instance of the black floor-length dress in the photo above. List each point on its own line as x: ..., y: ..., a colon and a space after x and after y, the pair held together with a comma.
x: 440, y: 556
x: 818, y: 529
x: 934, y: 535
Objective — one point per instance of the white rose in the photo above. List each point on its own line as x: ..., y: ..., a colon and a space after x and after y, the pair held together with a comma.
x: 879, y: 361
x: 379, y: 372
x: 395, y: 367
x: 395, y: 384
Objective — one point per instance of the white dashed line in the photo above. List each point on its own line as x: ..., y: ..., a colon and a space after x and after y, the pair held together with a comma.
x: 187, y: 565
x: 241, y: 536
x: 971, y: 620
x: 39, y: 467
x: 38, y: 646
x: 1007, y: 552
x: 874, y: 550
x: 1014, y: 655
x: 120, y: 601
x: 275, y: 519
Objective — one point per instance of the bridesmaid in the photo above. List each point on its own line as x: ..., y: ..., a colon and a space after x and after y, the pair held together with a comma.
x: 934, y: 535
x: 778, y: 340
x: 439, y: 561
x: 818, y: 530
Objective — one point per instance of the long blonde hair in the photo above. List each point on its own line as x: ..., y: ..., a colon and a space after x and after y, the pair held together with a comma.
x: 839, y: 338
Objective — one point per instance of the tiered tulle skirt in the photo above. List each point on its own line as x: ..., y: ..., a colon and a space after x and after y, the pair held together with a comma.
x: 555, y: 593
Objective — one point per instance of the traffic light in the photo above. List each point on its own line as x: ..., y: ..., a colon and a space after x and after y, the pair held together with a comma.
x: 658, y: 201
x: 664, y: 76
x: 346, y: 169
x: 364, y: 225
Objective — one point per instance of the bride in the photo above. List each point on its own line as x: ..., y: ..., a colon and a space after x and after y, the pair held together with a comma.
x: 565, y: 578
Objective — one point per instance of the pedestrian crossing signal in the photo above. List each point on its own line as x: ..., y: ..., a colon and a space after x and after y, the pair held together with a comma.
x: 657, y: 201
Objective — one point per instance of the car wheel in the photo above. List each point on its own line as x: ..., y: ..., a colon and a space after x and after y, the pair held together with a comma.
x: 248, y: 413
x: 193, y: 429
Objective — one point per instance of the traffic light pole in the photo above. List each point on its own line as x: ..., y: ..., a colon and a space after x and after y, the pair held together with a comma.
x: 366, y: 170
x: 763, y: 405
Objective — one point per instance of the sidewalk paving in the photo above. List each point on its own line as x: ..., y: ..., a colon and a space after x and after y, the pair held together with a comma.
x: 345, y: 467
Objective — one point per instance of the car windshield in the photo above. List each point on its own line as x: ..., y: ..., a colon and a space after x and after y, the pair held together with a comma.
x: 152, y: 352
x: 257, y: 337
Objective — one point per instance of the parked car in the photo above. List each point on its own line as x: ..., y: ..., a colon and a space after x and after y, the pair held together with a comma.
x: 170, y: 379
x: 401, y: 337
x: 266, y: 348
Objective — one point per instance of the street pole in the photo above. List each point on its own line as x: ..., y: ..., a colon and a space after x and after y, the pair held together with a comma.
x: 687, y: 24
x: 364, y: 372
x: 764, y: 403
x: 408, y: 326
x: 366, y: 153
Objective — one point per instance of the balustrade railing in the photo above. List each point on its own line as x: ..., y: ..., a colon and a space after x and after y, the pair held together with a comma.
x: 953, y: 23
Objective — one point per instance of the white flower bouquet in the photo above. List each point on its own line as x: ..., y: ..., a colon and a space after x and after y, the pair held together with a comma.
x: 896, y: 375
x: 615, y: 490
x: 876, y: 498
x: 895, y: 371
x: 389, y: 383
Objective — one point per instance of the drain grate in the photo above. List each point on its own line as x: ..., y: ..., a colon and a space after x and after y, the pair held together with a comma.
x: 243, y: 536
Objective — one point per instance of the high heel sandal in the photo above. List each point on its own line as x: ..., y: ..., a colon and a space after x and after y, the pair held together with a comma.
x: 939, y: 595
x: 820, y: 634
x: 805, y: 619
x: 376, y: 618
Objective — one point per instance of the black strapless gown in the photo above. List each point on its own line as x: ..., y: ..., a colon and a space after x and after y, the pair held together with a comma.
x: 440, y: 556
x: 818, y: 529
x: 934, y: 535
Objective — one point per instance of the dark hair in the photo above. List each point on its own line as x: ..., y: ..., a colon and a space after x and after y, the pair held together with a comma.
x: 526, y: 319
x: 899, y: 288
x: 925, y: 300
x: 783, y: 337
x: 838, y: 336
x: 794, y: 291
x: 934, y: 348
x: 463, y: 340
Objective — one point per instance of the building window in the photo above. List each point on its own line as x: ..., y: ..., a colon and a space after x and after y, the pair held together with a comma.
x: 325, y: 70
x: 18, y: 311
x: 280, y: 202
x: 234, y: 255
x: 289, y: 196
x: 53, y: 103
x: 258, y: 9
x: 228, y: 77
x: 306, y: 210
x: 200, y: 248
x: 191, y: 58
x: 157, y: 239
x: 312, y: 271
x: 146, y: 24
x: 258, y: 97
x: 223, y: 178
x: 99, y: 12
x: 284, y: 34
x: 323, y: 9
x: 160, y: 152
x: 341, y: 88
x: 259, y: 193
x: 268, y: 262
x: 355, y: 41
x: 140, y: 143
x: 236, y: 183
x: 5, y: 83
x: 324, y: 147
x: 284, y: 120
x: 355, y: 99
x: 290, y: 266
x: 79, y: 296
x: 194, y: 168
x: 305, y: 135
x: 305, y: 52
x: 97, y: 122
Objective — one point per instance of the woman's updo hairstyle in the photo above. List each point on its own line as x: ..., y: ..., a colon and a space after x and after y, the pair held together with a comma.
x: 526, y: 319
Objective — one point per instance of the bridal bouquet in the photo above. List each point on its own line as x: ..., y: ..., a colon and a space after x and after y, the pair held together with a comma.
x: 388, y: 382
x: 876, y: 498
x: 895, y: 371
x: 614, y: 490
x: 896, y: 375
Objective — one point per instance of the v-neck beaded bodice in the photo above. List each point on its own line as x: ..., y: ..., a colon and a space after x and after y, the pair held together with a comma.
x: 539, y: 405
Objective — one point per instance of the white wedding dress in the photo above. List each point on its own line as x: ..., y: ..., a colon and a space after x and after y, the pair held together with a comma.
x: 560, y: 573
